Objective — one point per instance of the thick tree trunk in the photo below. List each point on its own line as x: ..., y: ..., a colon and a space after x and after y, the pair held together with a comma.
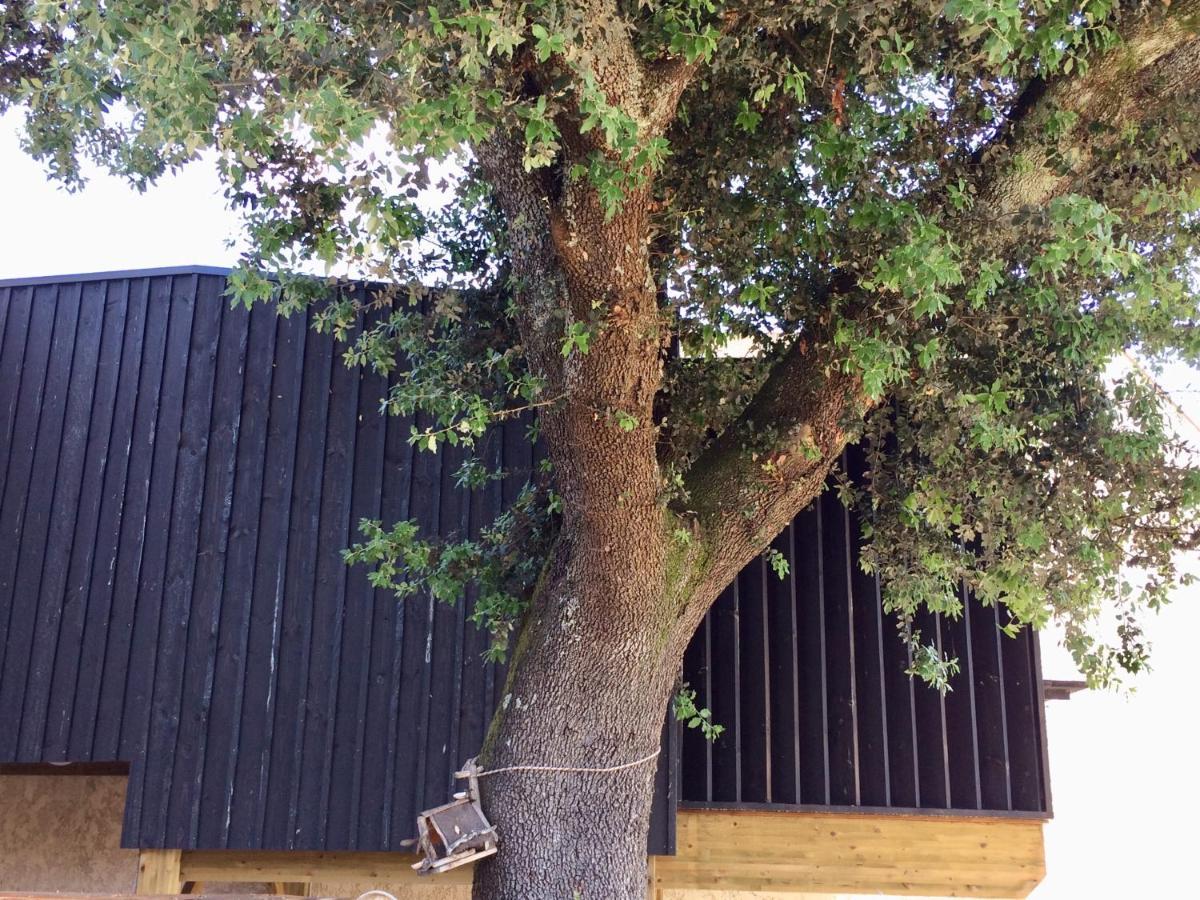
x: 589, y: 687
x: 600, y: 646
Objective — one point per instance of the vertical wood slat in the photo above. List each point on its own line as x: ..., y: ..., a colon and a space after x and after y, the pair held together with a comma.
x: 987, y: 677
x: 753, y: 697
x: 442, y: 652
x: 1043, y: 769
x: 724, y: 699
x: 112, y: 738
x: 962, y: 735
x: 65, y: 687
x: 385, y: 625
x: 840, y: 655
x: 150, y: 614
x: 296, y: 637
x: 220, y: 739
x: 399, y: 458
x: 114, y: 480
x: 1022, y: 712
x: 810, y: 648
x: 329, y: 609
x: 64, y: 514
x: 28, y: 490
x: 270, y: 589
x: 783, y: 675
x: 873, y: 761
x: 190, y: 486
x: 191, y: 743
x: 154, y: 608
x: 5, y: 409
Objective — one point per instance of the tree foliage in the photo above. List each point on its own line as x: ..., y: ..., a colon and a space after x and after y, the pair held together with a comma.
x: 940, y: 223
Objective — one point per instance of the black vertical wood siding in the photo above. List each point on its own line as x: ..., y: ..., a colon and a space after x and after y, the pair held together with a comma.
x: 179, y: 479
x: 807, y: 674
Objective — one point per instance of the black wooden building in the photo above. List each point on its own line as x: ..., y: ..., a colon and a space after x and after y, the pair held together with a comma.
x: 178, y: 479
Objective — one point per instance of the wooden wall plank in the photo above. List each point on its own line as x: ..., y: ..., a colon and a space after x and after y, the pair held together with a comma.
x: 67, y: 476
x: 178, y: 606
x: 354, y: 683
x: 784, y: 676
x: 962, y: 733
x: 153, y: 611
x: 861, y: 854
x: 304, y: 550
x: 933, y: 761
x: 130, y: 524
x: 1022, y: 700
x: 337, y: 529
x: 112, y: 301
x: 113, y: 478
x: 840, y: 653
x: 261, y: 685
x: 754, y: 688
x: 871, y: 710
x: 809, y: 531
x: 36, y: 439
x: 191, y: 742
x: 270, y: 866
x: 725, y: 701
x: 785, y: 852
x: 220, y: 738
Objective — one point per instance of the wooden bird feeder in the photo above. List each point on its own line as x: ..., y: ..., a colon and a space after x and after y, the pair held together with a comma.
x: 457, y: 833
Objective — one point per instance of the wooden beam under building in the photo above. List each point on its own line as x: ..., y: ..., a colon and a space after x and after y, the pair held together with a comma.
x: 158, y: 872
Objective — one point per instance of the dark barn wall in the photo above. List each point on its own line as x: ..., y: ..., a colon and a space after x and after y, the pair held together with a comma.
x: 179, y: 479
x: 807, y: 674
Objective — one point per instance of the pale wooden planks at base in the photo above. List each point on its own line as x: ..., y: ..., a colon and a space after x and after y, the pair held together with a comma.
x: 719, y: 853
x: 794, y: 852
x: 335, y: 874
x: 307, y: 867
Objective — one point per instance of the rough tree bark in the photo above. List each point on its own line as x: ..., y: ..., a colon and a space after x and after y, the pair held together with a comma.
x: 602, y: 642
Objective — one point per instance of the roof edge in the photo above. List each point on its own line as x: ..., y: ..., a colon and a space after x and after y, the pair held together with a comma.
x: 115, y: 275
x: 1062, y: 688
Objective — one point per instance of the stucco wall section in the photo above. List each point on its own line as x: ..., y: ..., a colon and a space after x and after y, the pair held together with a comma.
x: 63, y: 833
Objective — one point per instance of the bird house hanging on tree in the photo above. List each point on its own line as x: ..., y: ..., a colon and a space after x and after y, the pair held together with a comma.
x: 458, y: 833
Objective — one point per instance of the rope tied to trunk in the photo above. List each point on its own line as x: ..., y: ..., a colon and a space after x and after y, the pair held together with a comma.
x: 471, y: 770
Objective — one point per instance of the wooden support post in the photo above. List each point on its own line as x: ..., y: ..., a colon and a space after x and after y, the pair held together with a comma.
x: 290, y: 888
x: 158, y: 872
x: 653, y: 891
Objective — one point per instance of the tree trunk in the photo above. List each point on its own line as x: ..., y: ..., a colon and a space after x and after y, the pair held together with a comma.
x: 588, y: 689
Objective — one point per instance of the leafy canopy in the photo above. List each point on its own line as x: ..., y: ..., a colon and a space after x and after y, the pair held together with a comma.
x: 977, y: 205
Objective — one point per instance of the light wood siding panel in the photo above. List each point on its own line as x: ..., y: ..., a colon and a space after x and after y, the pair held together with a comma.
x: 794, y: 852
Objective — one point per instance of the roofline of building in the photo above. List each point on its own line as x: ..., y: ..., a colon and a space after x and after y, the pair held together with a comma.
x: 1062, y: 688
x: 115, y: 275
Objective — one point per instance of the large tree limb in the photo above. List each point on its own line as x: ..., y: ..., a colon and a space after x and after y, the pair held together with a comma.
x: 1156, y: 63
x: 745, y: 490
x: 751, y: 481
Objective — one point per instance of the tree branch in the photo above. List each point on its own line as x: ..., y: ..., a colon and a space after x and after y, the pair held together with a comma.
x: 745, y: 489
x: 761, y: 470
x: 1157, y: 63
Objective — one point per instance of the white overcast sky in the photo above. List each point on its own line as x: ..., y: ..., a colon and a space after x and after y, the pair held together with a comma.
x: 1125, y: 771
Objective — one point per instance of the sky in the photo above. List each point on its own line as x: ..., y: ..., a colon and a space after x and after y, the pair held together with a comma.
x: 1125, y: 769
